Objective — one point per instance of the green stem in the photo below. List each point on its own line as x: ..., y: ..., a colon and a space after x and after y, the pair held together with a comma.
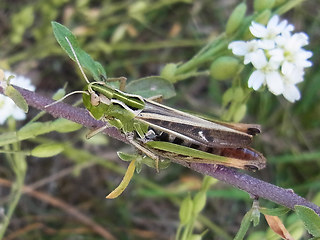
x: 194, y: 62
x: 190, y: 74
x: 19, y: 166
x: 288, y: 6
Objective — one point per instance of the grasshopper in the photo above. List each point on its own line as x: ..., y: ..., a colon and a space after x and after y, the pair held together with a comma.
x: 161, y: 132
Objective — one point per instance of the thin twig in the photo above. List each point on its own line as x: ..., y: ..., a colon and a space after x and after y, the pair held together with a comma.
x: 253, y: 186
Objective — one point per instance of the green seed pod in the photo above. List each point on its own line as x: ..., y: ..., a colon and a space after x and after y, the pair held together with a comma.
x: 47, y: 150
x: 238, y: 94
x: 224, y: 68
x: 260, y: 5
x: 263, y: 17
x: 185, y: 212
x: 199, y: 202
x: 236, y: 18
x: 240, y: 112
x: 279, y: 2
x: 227, y: 97
x: 63, y: 125
x: 169, y: 71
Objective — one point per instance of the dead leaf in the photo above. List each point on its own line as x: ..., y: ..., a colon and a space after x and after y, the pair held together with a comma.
x: 277, y: 226
x: 124, y: 183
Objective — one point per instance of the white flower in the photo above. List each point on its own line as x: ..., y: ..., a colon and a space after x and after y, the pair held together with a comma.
x: 7, y: 106
x: 270, y: 32
x: 291, y: 91
x: 242, y: 48
x: 266, y: 74
x: 277, y: 55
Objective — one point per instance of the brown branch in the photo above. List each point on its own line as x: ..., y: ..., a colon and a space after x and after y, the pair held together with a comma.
x: 253, y: 186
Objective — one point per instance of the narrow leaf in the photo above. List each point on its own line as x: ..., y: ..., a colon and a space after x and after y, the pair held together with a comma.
x: 245, y: 224
x: 47, y: 150
x: 126, y: 156
x: 277, y: 226
x: 310, y: 219
x: 61, y: 33
x: 124, y: 183
x: 15, y: 95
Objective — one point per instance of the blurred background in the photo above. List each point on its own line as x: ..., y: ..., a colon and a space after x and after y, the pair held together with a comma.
x: 136, y: 39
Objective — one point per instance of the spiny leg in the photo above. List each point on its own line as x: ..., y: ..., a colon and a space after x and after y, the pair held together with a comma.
x: 122, y: 80
x: 146, y: 151
x: 96, y: 131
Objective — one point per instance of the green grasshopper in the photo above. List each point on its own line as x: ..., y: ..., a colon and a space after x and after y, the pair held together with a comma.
x: 161, y: 132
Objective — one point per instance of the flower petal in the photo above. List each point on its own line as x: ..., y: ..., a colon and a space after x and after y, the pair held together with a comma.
x: 273, y: 22
x: 267, y: 44
x: 256, y: 79
x: 238, y: 48
x: 291, y: 93
x: 275, y: 82
x: 258, y: 59
x: 258, y: 30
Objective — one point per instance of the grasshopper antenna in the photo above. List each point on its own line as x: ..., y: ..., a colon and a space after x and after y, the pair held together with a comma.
x: 68, y: 95
x: 77, y: 60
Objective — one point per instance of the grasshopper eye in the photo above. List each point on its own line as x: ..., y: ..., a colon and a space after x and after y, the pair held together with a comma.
x: 251, y: 168
x: 94, y: 99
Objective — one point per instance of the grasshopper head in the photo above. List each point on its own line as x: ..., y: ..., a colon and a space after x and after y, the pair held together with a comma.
x: 93, y: 104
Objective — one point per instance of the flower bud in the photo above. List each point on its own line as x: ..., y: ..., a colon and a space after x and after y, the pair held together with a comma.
x: 263, y: 17
x: 47, y: 150
x: 185, y: 212
x: 240, y: 112
x: 169, y: 71
x: 260, y: 5
x: 236, y: 18
x: 199, y: 202
x: 238, y: 94
x: 63, y: 125
x: 224, y: 68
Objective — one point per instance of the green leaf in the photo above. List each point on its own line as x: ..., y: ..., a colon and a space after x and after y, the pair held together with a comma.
x: 163, y: 163
x: 47, y: 150
x: 61, y: 33
x: 8, y: 137
x: 275, y: 211
x: 245, y: 224
x: 15, y: 95
x: 151, y: 86
x: 34, y: 129
x: 63, y: 125
x: 310, y: 219
x: 127, y: 157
